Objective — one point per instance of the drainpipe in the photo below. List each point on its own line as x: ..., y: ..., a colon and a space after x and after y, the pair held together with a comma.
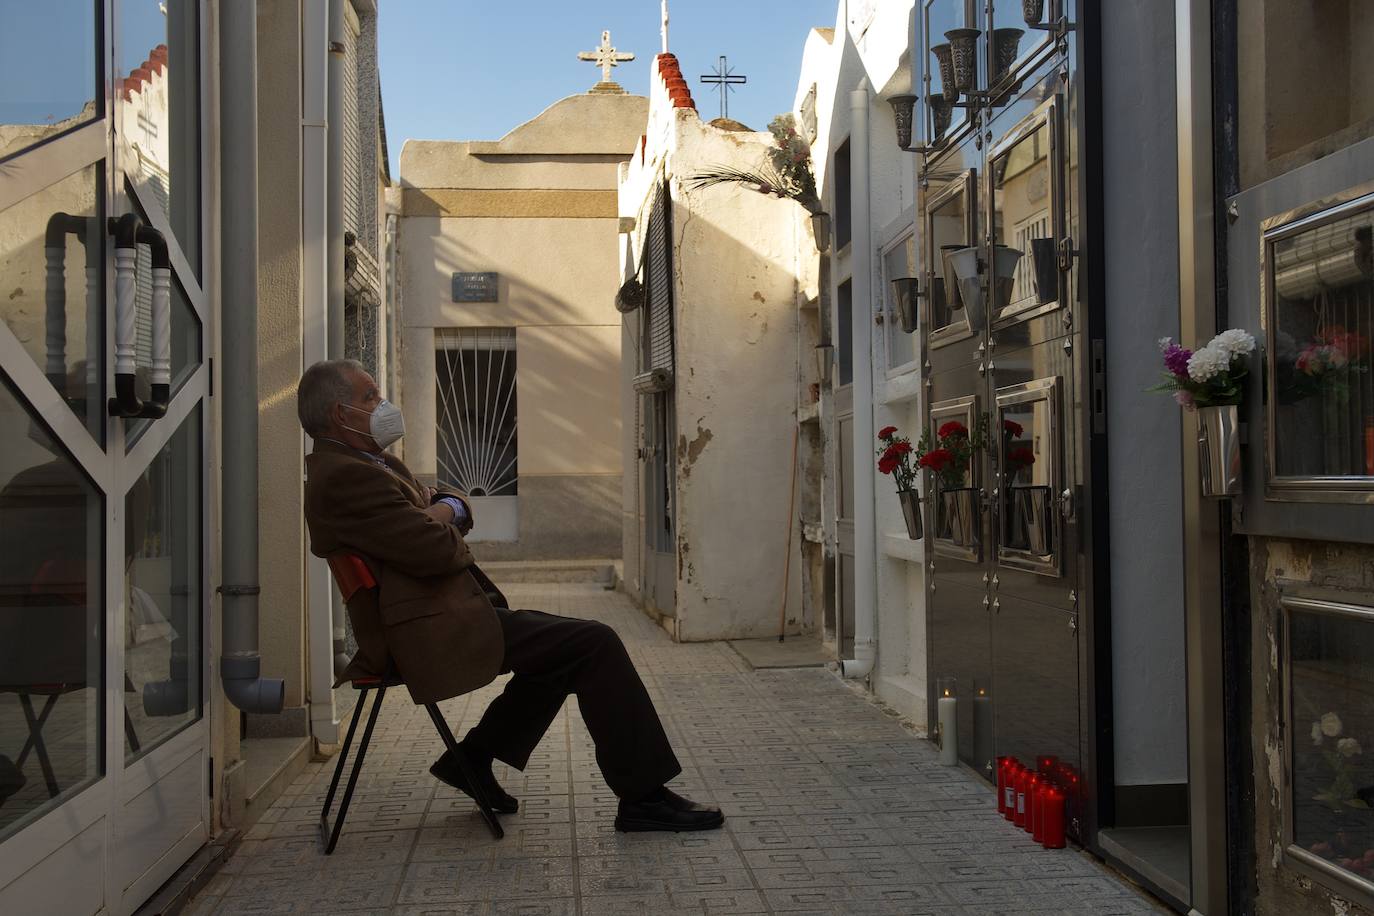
x: 335, y: 239
x: 316, y: 328
x: 861, y: 322
x: 240, y: 663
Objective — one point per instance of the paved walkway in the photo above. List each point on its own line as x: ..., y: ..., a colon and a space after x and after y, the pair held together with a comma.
x: 832, y: 807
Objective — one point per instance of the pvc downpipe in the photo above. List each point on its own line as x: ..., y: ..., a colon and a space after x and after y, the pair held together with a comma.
x: 240, y: 662
x: 335, y: 237
x: 861, y: 324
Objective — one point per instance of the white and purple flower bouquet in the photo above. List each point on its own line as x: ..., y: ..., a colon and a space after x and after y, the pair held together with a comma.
x: 1211, y: 376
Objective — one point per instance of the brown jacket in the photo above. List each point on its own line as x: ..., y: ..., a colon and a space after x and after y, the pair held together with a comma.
x: 432, y: 612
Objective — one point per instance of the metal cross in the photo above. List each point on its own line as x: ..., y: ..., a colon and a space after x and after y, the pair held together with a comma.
x: 725, y: 81
x: 605, y: 57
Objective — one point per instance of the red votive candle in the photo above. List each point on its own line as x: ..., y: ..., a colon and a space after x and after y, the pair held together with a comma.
x: 1032, y: 796
x: 1037, y: 803
x: 1009, y: 791
x: 1052, y: 811
x: 1046, y: 765
x: 1001, y: 785
x: 1023, y: 777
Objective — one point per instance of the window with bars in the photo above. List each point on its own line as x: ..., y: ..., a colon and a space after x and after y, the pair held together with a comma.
x: 475, y: 408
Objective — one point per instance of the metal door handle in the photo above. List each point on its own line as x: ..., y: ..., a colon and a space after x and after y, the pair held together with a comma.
x: 1066, y: 503
x: 129, y: 232
x: 985, y: 601
x: 997, y: 605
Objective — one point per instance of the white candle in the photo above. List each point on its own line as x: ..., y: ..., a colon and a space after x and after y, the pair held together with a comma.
x: 946, y: 713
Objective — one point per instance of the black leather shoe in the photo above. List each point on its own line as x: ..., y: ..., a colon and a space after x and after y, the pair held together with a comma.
x: 666, y: 811
x: 446, y: 770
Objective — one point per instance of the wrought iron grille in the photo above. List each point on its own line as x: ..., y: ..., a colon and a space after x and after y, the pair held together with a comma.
x: 476, y: 410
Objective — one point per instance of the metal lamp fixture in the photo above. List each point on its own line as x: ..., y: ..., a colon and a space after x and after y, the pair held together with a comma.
x: 905, y: 292
x: 903, y: 107
x: 825, y: 360
x: 820, y: 228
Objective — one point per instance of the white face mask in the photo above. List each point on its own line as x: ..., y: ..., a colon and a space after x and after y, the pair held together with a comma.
x: 386, y: 424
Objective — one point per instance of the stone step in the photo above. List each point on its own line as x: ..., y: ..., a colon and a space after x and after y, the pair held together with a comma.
x: 591, y: 570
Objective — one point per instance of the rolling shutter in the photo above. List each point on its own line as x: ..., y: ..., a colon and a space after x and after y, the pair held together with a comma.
x: 660, y: 285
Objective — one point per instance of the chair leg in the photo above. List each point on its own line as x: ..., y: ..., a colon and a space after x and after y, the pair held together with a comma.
x: 343, y: 758
x: 451, y: 744
x: 357, y: 768
x: 36, y: 739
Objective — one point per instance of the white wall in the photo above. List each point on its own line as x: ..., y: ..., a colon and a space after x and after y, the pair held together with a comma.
x: 877, y: 58
x: 1145, y: 474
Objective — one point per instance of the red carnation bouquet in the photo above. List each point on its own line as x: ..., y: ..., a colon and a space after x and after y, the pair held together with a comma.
x: 947, y: 455
x: 895, y: 457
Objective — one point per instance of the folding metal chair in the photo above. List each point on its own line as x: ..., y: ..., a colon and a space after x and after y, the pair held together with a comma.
x: 352, y: 574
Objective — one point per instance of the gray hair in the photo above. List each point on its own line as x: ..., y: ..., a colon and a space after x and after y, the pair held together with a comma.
x: 321, y: 387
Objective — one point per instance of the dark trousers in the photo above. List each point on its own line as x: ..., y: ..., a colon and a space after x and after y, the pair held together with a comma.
x: 554, y: 656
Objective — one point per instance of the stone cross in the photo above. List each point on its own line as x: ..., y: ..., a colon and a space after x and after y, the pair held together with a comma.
x: 605, y: 57
x: 665, y: 26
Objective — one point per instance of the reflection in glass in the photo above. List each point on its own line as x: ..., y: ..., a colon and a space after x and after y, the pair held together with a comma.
x: 162, y: 593
x: 48, y: 58
x: 941, y: 17
x: 949, y: 232
x: 1323, y: 292
x: 1027, y: 491
x: 897, y: 263
x: 186, y: 353
x: 957, y: 440
x: 1026, y: 272
x: 1332, y: 711
x: 50, y: 620
x: 51, y: 271
x: 158, y: 113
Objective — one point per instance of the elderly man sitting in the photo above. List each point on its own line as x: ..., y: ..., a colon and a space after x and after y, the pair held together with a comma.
x: 448, y: 630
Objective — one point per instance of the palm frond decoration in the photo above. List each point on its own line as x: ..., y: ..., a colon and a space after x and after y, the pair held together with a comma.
x: 787, y: 174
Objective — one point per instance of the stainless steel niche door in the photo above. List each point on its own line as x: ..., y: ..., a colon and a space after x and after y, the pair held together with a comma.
x: 103, y: 408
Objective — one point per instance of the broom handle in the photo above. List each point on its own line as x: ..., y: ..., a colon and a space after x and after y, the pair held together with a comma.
x: 787, y: 559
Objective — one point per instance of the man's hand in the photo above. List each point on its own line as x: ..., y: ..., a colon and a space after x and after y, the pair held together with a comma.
x: 429, y: 494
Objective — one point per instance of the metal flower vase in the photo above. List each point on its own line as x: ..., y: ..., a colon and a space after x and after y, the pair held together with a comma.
x: 961, y: 515
x: 944, y: 59
x: 911, y: 512
x: 1032, y: 11
x: 964, y: 47
x: 1034, y: 507
x: 1218, y: 450
x: 1006, y: 45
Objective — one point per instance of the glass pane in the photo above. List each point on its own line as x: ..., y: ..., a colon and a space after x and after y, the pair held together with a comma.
x: 51, y: 639
x: 1324, y: 318
x: 941, y: 17
x: 162, y: 594
x: 1332, y: 670
x: 1011, y: 38
x: 1023, y: 229
x: 48, y: 57
x: 52, y: 277
x: 897, y: 263
x: 948, y: 222
x: 158, y: 113
x: 186, y: 353
x: 844, y: 333
x: 1027, y: 491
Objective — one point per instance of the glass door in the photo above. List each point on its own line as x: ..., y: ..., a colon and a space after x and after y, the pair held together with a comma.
x: 103, y: 391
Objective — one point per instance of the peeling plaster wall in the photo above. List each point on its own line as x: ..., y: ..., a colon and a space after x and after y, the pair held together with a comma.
x: 1343, y: 572
x: 736, y: 325
x: 736, y: 320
